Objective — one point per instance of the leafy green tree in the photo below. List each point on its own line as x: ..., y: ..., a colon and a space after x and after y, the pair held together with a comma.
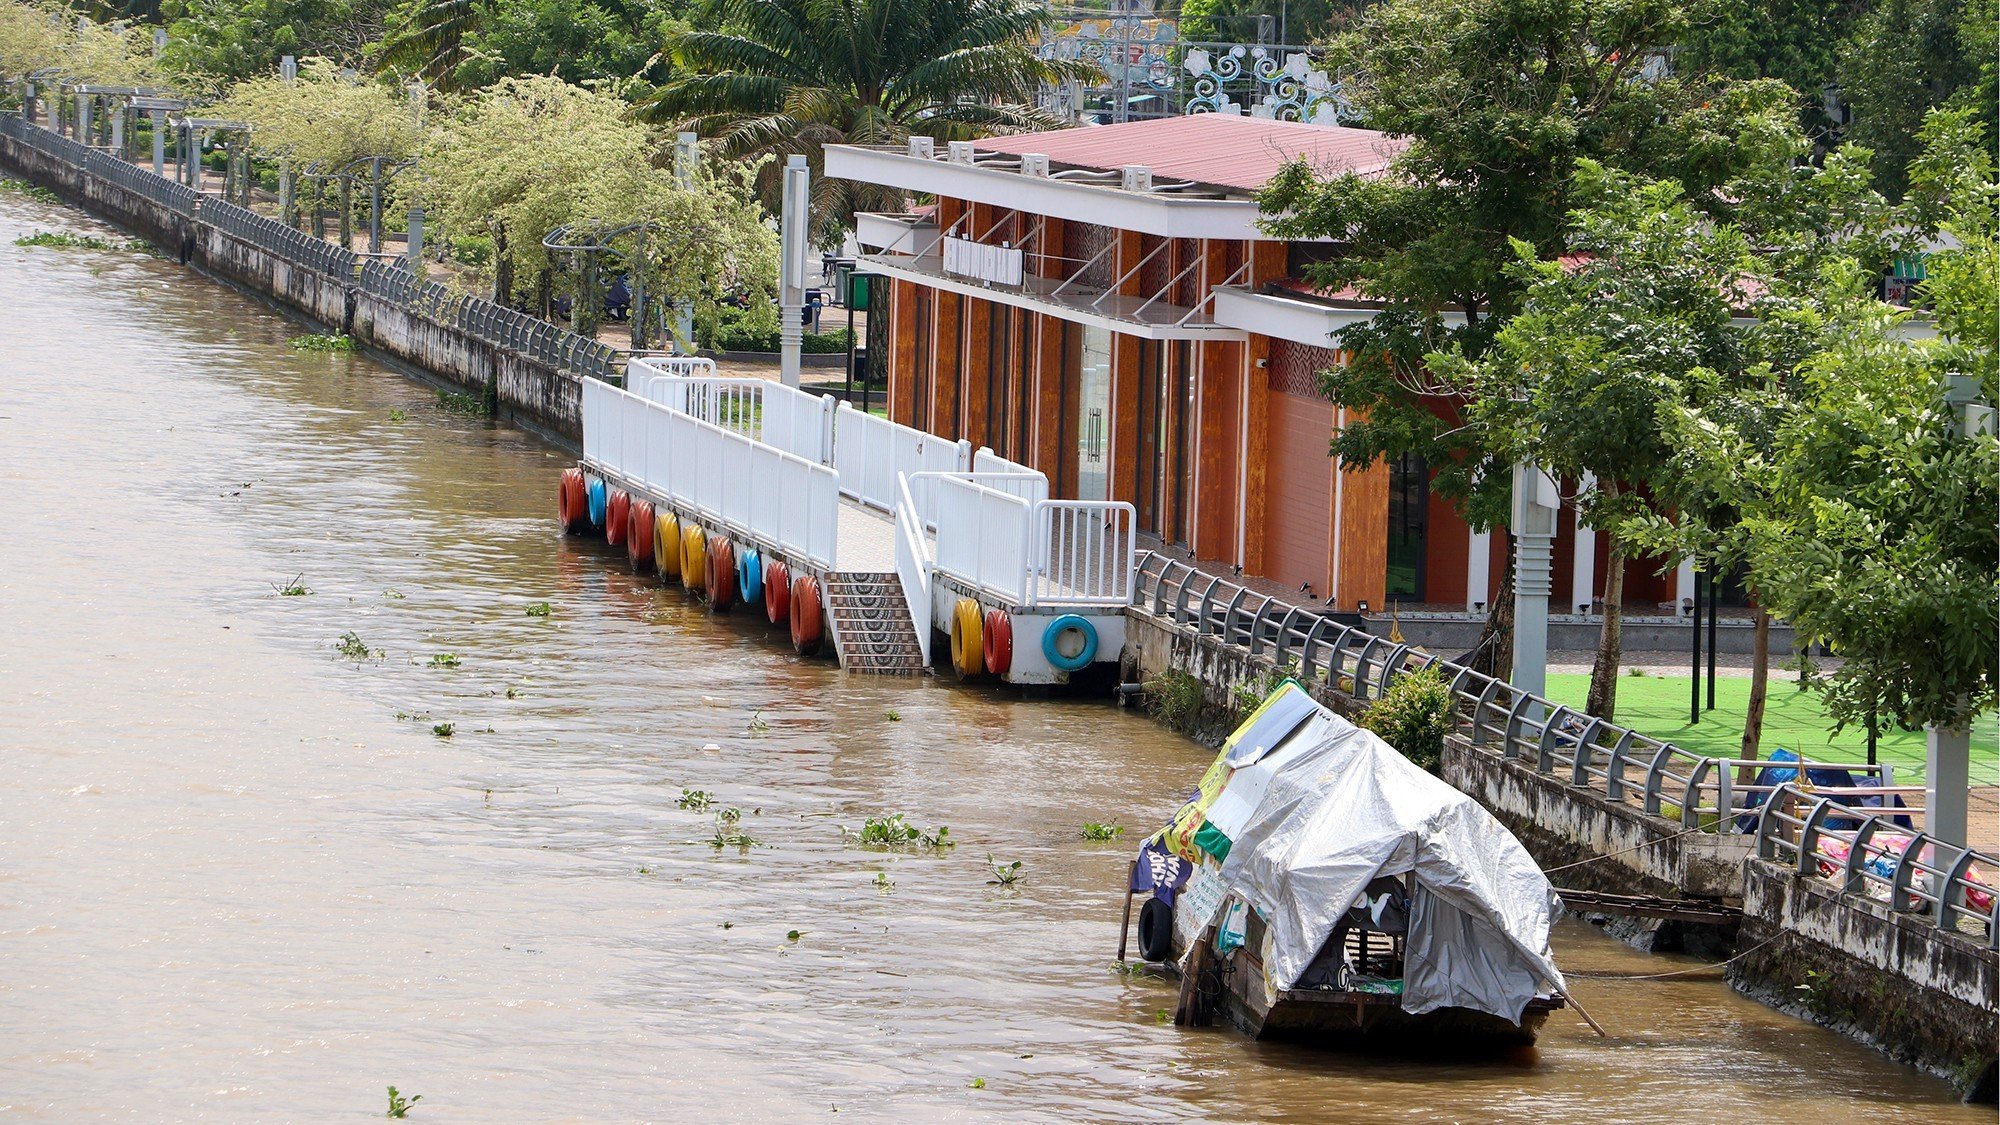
x: 528, y: 155
x: 1634, y: 322
x: 1907, y: 57
x: 230, y: 40
x: 1499, y: 100
x: 458, y: 45
x: 46, y: 36
x: 790, y: 76
x: 1795, y: 41
x: 324, y: 117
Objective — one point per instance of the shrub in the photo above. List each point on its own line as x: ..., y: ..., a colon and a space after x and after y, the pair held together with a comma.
x: 1414, y: 716
x: 754, y: 328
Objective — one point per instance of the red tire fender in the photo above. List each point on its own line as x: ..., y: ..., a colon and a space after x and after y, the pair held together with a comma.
x: 807, y: 623
x: 721, y: 574
x: 572, y: 510
x: 999, y: 642
x: 639, y: 536
x: 617, y: 510
x: 778, y: 593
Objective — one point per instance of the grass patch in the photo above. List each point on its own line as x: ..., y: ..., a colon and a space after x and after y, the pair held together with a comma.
x: 1174, y: 698
x: 333, y: 343
x: 1658, y: 706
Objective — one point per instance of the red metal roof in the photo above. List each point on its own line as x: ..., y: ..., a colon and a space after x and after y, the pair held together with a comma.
x: 1210, y: 148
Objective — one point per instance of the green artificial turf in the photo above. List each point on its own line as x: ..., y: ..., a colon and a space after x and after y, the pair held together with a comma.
x: 1658, y: 706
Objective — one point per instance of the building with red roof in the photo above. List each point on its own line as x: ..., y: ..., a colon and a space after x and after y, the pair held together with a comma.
x: 1103, y: 304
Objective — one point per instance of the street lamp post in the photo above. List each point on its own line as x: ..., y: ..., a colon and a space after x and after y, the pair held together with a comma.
x: 1536, y: 501
x: 792, y: 269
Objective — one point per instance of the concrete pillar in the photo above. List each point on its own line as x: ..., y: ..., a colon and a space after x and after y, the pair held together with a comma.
x: 1583, y: 571
x: 1947, y: 782
x: 83, y: 119
x: 414, y: 259
x: 118, y: 132
x: 687, y: 161
x: 159, y: 142
x: 1683, y: 585
x: 1536, y: 501
x: 1478, y: 570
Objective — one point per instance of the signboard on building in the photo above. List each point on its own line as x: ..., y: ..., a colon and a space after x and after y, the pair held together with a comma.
x: 995, y: 265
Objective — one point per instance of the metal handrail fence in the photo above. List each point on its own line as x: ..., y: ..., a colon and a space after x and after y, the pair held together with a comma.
x: 1865, y: 853
x: 488, y: 322
x: 1703, y: 793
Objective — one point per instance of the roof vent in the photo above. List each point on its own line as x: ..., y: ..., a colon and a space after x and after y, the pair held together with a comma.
x: 1035, y: 164
x: 1135, y: 177
x: 960, y: 152
x: 924, y: 148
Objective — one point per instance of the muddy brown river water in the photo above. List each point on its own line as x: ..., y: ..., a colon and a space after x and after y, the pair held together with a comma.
x: 241, y: 877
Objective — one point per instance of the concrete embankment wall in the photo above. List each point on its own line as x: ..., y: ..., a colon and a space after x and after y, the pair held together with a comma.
x: 426, y: 333
x: 1925, y: 997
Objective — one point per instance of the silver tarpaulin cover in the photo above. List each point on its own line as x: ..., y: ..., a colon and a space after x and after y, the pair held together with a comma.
x: 1343, y: 807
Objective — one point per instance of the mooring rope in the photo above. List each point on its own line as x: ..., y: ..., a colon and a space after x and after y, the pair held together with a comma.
x: 1587, y: 975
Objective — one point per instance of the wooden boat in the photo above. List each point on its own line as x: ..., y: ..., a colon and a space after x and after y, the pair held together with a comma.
x: 1366, y: 1015
x: 1319, y: 887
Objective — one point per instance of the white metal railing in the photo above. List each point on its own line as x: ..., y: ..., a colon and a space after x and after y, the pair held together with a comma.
x: 1033, y: 552
x: 1009, y: 476
x: 870, y: 453
x: 1087, y: 553
x: 798, y: 422
x: 752, y: 488
x: 913, y: 567
x: 1864, y: 852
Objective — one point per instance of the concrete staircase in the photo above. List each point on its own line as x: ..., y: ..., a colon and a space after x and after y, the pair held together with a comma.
x: 871, y: 624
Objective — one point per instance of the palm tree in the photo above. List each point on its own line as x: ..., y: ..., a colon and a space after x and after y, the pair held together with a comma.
x: 791, y: 76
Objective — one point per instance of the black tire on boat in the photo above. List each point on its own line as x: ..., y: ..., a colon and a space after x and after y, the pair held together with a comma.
x: 1156, y: 931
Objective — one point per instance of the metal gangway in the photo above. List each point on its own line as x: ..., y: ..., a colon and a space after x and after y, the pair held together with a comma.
x: 969, y: 545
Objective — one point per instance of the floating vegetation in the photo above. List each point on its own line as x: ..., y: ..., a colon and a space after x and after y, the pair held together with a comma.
x: 68, y: 240
x: 445, y: 660
x: 893, y: 715
x: 296, y: 588
x: 757, y: 723
x: 333, y: 343
x: 1103, y: 831
x: 398, y: 414
x: 696, y: 800
x: 393, y: 594
x: 351, y: 646
x: 882, y: 881
x: 893, y: 831
x: 539, y: 609
x: 729, y: 831
x: 35, y: 192
x: 443, y: 730
x: 400, y: 1106
x: 457, y: 402
x: 1004, y: 874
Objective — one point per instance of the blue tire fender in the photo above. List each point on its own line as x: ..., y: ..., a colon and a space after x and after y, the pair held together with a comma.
x: 750, y: 576
x: 599, y: 499
x: 1069, y: 643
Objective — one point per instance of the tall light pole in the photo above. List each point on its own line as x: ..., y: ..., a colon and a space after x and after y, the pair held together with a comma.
x: 792, y: 269
x: 687, y: 163
x: 1536, y: 501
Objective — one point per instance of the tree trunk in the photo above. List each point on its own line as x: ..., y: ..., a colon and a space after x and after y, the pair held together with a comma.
x: 1760, y: 681
x: 1494, y: 654
x: 1603, y: 698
